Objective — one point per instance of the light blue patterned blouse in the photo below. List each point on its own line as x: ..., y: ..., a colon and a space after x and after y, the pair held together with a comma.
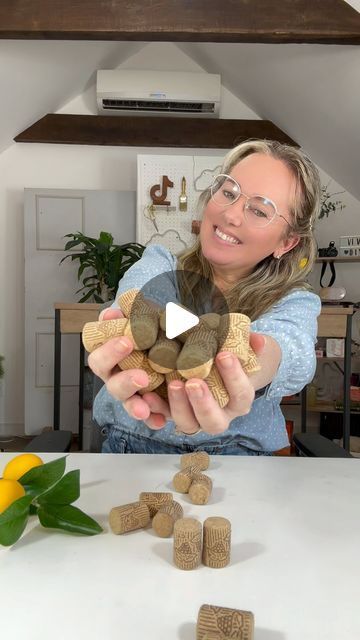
x: 292, y: 322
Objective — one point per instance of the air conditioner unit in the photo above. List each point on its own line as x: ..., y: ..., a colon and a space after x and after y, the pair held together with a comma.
x: 165, y: 93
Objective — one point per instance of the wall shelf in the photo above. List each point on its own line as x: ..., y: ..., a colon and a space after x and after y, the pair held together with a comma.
x: 144, y: 131
x: 339, y: 259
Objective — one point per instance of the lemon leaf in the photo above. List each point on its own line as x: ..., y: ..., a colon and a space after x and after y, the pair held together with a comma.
x: 13, y: 520
x: 66, y: 491
x: 68, y: 518
x: 41, y: 478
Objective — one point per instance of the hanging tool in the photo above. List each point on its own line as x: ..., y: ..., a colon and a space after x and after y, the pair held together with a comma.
x: 183, y: 196
x: 149, y: 213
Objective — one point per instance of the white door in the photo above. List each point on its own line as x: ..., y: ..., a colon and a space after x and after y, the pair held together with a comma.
x: 49, y: 214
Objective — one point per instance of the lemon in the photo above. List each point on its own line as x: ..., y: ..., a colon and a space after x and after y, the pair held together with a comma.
x: 19, y: 465
x: 10, y: 490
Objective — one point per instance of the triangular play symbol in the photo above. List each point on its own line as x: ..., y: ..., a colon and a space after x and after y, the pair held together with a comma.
x: 178, y: 320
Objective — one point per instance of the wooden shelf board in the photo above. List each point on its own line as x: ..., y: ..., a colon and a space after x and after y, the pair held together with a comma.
x: 339, y: 259
x: 263, y: 21
x: 147, y: 131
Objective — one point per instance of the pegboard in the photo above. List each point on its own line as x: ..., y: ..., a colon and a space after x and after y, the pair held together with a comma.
x: 174, y: 225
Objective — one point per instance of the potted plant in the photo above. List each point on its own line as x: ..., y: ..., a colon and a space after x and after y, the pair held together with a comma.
x: 328, y: 204
x: 103, y: 261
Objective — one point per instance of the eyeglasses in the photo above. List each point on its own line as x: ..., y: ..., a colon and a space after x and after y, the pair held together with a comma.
x: 258, y: 210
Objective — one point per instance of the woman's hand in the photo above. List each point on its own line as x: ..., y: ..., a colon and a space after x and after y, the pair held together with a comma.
x: 124, y: 385
x: 193, y: 406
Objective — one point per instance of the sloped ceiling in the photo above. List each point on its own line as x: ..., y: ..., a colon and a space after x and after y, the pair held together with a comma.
x: 312, y: 92
x: 37, y: 77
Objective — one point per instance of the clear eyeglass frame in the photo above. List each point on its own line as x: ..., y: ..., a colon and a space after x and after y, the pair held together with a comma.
x: 221, y: 178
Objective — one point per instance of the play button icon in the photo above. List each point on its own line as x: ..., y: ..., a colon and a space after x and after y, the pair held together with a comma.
x: 178, y: 320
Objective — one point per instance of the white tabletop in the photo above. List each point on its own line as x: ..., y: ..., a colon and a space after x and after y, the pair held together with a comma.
x: 295, y: 555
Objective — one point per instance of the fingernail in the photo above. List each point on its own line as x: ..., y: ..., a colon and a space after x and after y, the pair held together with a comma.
x: 226, y: 360
x: 136, y: 383
x: 175, y: 388
x: 124, y: 343
x: 195, y: 390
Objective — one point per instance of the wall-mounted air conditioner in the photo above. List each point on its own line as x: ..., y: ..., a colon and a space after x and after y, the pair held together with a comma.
x: 166, y: 93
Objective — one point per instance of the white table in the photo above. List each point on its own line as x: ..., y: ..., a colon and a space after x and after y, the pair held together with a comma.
x: 295, y: 555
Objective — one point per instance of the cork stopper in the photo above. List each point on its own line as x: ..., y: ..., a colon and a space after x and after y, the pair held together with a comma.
x: 215, y: 383
x: 212, y: 320
x: 95, y: 334
x: 163, y: 354
x: 129, y: 517
x: 135, y: 360
x: 200, y: 489
x: 222, y: 623
x: 182, y: 479
x: 234, y: 334
x: 162, y: 391
x: 174, y: 375
x: 126, y: 300
x: 197, y: 355
x: 164, y: 521
x: 142, y: 328
x: 155, y: 378
x: 187, y: 543
x: 216, y: 542
x: 155, y: 500
x: 138, y: 360
x: 199, y: 459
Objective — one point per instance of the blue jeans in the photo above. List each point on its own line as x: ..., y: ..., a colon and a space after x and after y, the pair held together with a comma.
x: 119, y: 441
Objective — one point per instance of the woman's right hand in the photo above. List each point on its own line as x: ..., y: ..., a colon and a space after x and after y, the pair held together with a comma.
x: 124, y: 385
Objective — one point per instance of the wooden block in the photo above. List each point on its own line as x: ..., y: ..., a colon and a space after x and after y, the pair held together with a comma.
x: 199, y: 459
x: 200, y: 489
x: 223, y: 623
x: 155, y: 500
x: 216, y: 542
x: 95, y: 334
x: 164, y: 520
x: 187, y: 543
x: 129, y: 517
x: 182, y: 479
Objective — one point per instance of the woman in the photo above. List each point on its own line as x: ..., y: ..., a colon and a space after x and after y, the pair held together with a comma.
x: 256, y: 245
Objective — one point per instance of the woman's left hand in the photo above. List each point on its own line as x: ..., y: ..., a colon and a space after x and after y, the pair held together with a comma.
x: 192, y: 404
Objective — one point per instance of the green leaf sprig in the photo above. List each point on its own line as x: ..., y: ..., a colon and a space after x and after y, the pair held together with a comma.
x: 49, y: 494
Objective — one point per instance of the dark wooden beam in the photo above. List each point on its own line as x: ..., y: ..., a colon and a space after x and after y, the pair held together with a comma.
x: 263, y: 21
x: 132, y: 131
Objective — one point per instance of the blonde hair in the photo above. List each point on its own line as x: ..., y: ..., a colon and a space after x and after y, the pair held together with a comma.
x: 272, y: 278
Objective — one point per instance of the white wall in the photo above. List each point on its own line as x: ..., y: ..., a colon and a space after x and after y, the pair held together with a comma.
x: 68, y: 167
x: 95, y: 167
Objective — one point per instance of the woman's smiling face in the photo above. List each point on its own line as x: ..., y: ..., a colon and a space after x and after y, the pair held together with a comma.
x: 230, y: 242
